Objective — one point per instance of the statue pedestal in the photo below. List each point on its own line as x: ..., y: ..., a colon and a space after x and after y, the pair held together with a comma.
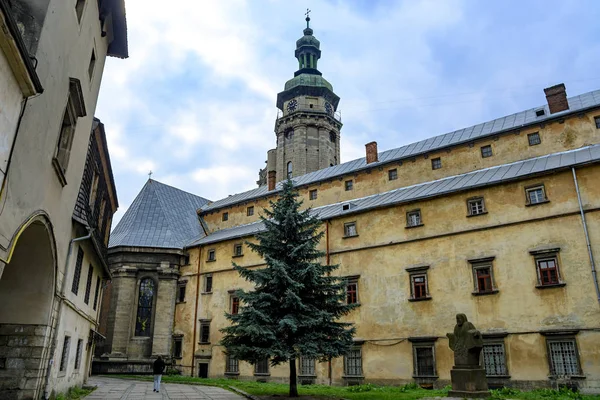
x: 469, y: 382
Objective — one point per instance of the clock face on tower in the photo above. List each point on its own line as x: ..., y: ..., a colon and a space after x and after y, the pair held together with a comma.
x: 328, y: 109
x: 292, y: 105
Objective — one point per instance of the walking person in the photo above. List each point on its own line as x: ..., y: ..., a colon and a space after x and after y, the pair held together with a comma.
x: 158, y: 368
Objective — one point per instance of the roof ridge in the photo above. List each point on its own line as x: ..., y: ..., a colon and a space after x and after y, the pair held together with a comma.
x: 176, y: 188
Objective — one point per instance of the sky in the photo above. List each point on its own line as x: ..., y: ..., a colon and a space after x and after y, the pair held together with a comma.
x: 195, y: 101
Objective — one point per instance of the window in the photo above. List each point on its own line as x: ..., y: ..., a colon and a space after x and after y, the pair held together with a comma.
x: 65, y: 353
x: 78, y: 354
x: 232, y: 365
x: 307, y: 366
x: 289, y: 135
x: 483, y: 276
x: 332, y: 137
x: 204, y: 331
x: 540, y: 113
x: 177, y: 346
x: 563, y: 357
x: 597, y: 120
x: 145, y: 303
x: 312, y: 195
x: 92, y: 64
x: 534, y: 138
x: 436, y: 163
x: 235, y: 304
x: 289, y: 170
x: 349, y: 185
x: 208, y: 281
x: 494, y: 359
x: 211, y: 255
x: 79, y: 5
x: 181, y: 291
x: 419, y: 289
x: 547, y: 271
x: 413, y: 218
x: 393, y: 174
x: 486, y: 151
x: 97, y: 292
x: 75, y: 108
x: 261, y: 367
x: 250, y: 211
x: 423, y: 358
x: 352, y: 290
x: 88, y: 285
x: 77, y: 273
x: 535, y: 195
x: 353, y: 362
x: 238, y: 250
x: 350, y: 229
x: 225, y: 216
x: 476, y: 206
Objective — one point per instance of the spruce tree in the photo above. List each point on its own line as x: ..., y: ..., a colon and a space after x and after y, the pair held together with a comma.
x: 295, y: 305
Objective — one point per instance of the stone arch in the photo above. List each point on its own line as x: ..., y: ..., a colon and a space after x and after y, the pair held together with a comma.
x: 27, y: 287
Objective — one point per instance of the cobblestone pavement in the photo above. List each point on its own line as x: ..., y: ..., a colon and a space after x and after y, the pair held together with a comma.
x: 112, y: 389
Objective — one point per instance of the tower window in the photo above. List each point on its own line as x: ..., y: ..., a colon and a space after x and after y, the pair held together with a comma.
x: 289, y: 135
x: 332, y: 137
x: 289, y: 170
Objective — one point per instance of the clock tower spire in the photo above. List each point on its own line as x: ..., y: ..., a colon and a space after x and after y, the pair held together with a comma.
x: 308, y: 124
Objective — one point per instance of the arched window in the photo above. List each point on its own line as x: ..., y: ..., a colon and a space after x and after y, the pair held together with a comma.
x: 144, y: 312
x: 289, y: 170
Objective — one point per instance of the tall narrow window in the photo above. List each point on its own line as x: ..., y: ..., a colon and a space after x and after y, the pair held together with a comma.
x: 352, y: 290
x: 250, y: 211
x: 312, y: 195
x: 331, y: 134
x: 262, y: 367
x: 204, y: 331
x: 597, y: 120
x: 289, y: 170
x: 238, y: 250
x: 211, y: 255
x: 419, y: 288
x: 564, y: 358
x: 424, y: 360
x: 145, y: 304
x: 88, y: 285
x: 349, y: 185
x: 307, y: 366
x: 494, y: 359
x: 353, y: 362
x: 78, y: 354
x: 232, y: 365
x: 181, y: 286
x: 97, y: 292
x: 92, y: 64
x: 208, y: 281
x: 225, y: 216
x: 177, y: 346
x: 483, y: 276
x: 65, y: 353
x: 234, y: 304
x: 77, y: 273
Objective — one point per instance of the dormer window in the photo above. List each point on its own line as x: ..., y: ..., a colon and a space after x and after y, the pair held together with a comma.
x: 540, y: 113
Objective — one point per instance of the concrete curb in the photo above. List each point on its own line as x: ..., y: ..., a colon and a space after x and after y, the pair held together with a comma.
x: 242, y: 393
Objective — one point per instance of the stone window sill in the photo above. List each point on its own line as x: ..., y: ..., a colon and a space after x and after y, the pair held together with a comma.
x: 486, y: 293
x: 420, y: 298
x: 211, y: 260
x: 553, y: 285
x: 425, y: 376
x: 237, y: 256
x: 497, y: 376
x: 262, y: 374
x: 477, y: 215
x: 413, y: 226
x: 348, y: 237
x: 307, y: 376
x: 350, y: 377
x: 206, y: 293
x: 180, y: 302
x: 59, y: 172
x: 232, y: 373
x: 537, y: 204
x: 563, y: 378
x: 203, y: 343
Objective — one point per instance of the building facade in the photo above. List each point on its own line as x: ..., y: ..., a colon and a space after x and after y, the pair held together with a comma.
x: 42, y: 235
x: 499, y: 221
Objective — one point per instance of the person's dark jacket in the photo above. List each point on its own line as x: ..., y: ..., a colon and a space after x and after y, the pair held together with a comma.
x: 159, y: 367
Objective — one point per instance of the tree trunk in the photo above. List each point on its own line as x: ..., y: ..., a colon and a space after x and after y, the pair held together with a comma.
x: 293, y: 383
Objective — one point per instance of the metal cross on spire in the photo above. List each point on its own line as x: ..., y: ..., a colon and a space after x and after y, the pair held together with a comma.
x: 307, y: 16
x: 150, y: 174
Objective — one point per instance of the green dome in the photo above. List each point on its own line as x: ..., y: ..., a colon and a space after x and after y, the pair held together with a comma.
x: 308, y: 80
x: 308, y: 40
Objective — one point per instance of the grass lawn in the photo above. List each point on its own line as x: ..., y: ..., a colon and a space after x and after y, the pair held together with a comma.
x: 74, y: 393
x: 362, y: 392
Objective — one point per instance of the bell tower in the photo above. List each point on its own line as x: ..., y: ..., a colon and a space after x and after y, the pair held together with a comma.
x: 308, y: 124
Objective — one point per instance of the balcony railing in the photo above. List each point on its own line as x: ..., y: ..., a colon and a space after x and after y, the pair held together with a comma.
x: 311, y: 108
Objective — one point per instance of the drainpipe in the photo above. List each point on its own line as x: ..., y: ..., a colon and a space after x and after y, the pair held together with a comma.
x: 61, y: 298
x: 587, y: 236
x: 196, y: 310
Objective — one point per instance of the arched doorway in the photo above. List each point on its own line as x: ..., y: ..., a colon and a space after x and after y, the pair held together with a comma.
x: 26, y: 295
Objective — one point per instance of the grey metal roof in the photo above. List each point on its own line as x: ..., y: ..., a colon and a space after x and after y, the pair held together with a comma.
x: 484, y: 177
x: 160, y: 216
x: 494, y: 127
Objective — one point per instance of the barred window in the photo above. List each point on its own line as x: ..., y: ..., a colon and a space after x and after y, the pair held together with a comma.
x: 262, y: 367
x: 144, y: 312
x: 424, y: 360
x: 563, y: 358
x: 88, y: 285
x: 476, y: 206
x: 307, y: 366
x: 65, y: 353
x: 78, y: 354
x: 77, y: 273
x: 534, y: 138
x: 353, y: 362
x: 232, y: 365
x: 494, y: 359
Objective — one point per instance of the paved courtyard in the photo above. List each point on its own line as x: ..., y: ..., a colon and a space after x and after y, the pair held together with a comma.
x: 111, y: 388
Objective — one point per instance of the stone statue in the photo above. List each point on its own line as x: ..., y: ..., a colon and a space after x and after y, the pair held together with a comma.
x: 466, y: 342
x: 468, y: 376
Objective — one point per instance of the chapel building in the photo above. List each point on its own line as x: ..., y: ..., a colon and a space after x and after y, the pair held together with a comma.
x: 499, y: 221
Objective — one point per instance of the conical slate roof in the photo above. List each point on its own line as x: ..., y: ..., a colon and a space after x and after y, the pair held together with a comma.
x: 160, y: 216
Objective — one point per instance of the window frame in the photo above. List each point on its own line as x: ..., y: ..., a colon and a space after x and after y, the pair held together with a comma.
x: 181, y: 285
x: 238, y: 250
x: 78, y: 354
x: 409, y: 213
x: 207, y: 278
x: 532, y: 188
x: 393, y: 174
x: 92, y: 65
x: 313, y: 194
x: 77, y: 272
x: 436, y: 163
x: 484, y: 151
x: 349, y: 185
x: 289, y: 170
x: 347, y: 226
x: 472, y: 200
x: 312, y: 367
x: 249, y: 211
x: 64, y: 357
x: 536, y: 141
x: 234, y: 303
x: 232, y: 365
x: 211, y: 255
x: 347, y: 358
x: 264, y: 365
x: 423, y: 343
x: 146, y: 332
x: 418, y: 272
x: 555, y: 336
x: 495, y: 339
x: 225, y: 216
x: 204, y: 331
x: 352, y: 281
x: 479, y: 264
x: 546, y: 255
x: 597, y: 121
x: 178, y: 339
x: 88, y: 285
